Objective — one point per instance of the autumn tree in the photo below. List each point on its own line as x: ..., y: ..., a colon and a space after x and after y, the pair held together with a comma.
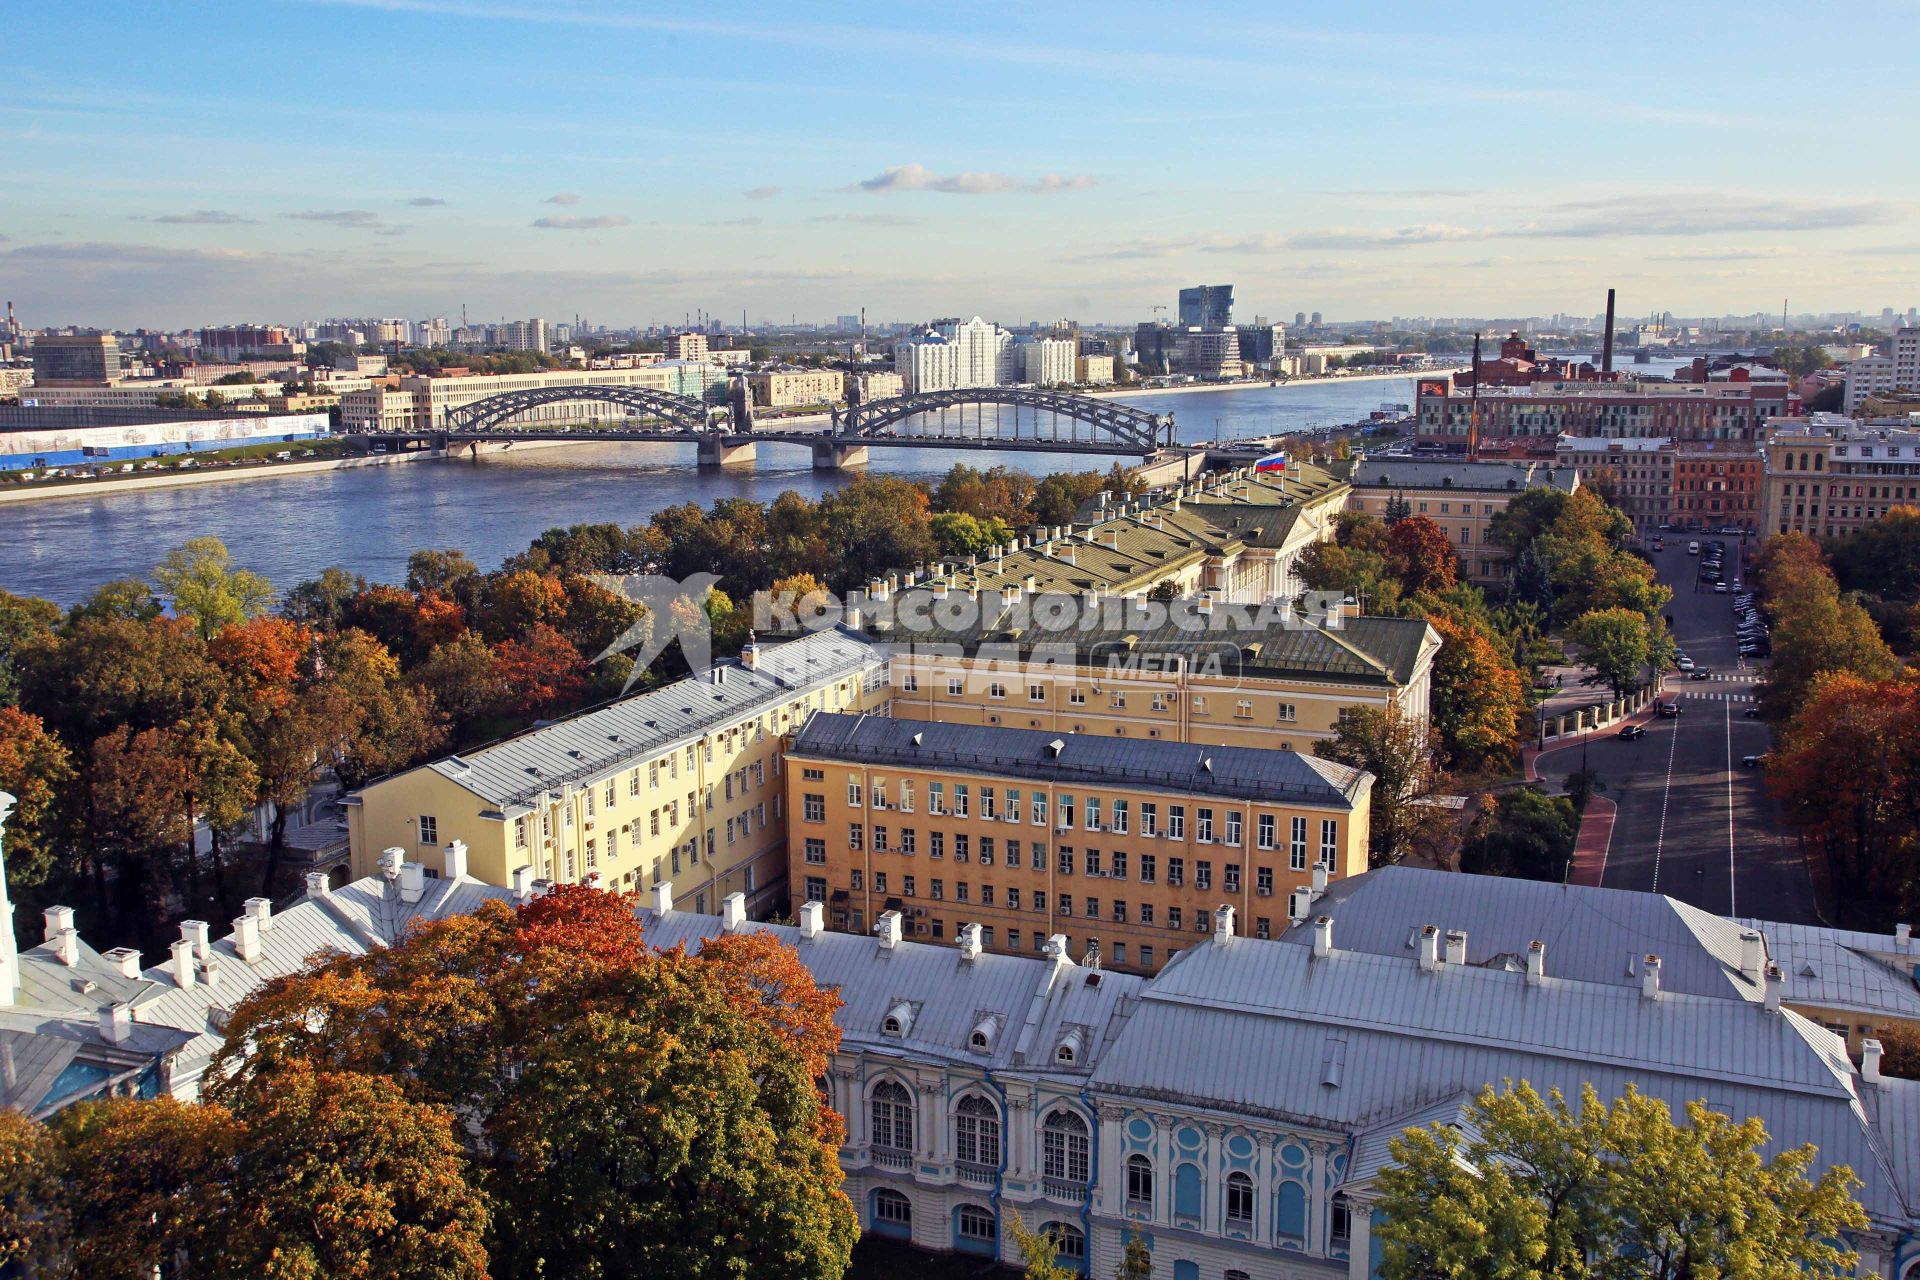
x: 26, y: 626
x: 1039, y: 1251
x: 34, y: 1223
x: 1478, y: 697
x: 1420, y: 554
x: 630, y: 1113
x: 1534, y: 1186
x: 36, y: 769
x: 1816, y: 630
x: 207, y: 587
x: 1136, y: 1259
x: 1399, y: 751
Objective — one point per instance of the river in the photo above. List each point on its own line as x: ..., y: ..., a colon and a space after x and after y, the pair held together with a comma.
x: 369, y: 520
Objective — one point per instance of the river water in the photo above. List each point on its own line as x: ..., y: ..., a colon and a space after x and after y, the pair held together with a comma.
x: 370, y: 519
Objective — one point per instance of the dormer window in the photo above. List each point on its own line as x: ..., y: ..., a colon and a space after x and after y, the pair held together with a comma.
x: 1068, y: 1050
x: 899, y: 1020
x: 980, y: 1039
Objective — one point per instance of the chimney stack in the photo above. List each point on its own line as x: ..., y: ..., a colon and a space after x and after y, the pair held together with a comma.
x: 1300, y: 904
x: 542, y: 887
x: 62, y: 936
x: 1222, y: 925
x: 413, y: 882
x: 1870, y: 1051
x: 1606, y: 348
x: 391, y: 860
x: 1319, y: 879
x: 522, y: 883
x: 183, y: 964
x: 317, y: 886
x: 733, y: 912
x: 260, y: 911
x: 456, y: 859
x: 1056, y: 951
x: 1428, y: 953
x: 887, y: 929
x: 969, y: 942
x: 246, y: 938
x: 812, y: 919
x: 1456, y: 946
x: 1536, y: 962
x: 116, y: 1023
x: 1323, y: 937
x: 197, y: 932
x: 1775, y: 981
x: 125, y: 960
x: 1903, y: 935
x: 1753, y: 956
x: 662, y: 897
x: 1650, y: 976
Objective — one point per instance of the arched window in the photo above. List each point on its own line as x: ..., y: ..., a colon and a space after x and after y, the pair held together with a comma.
x: 1235, y: 1275
x: 976, y: 1230
x: 1070, y: 1240
x: 976, y: 1131
x: 1341, y: 1226
x: 1139, y: 1182
x: 1064, y: 1141
x: 892, y: 1214
x: 892, y: 1112
x: 1239, y: 1198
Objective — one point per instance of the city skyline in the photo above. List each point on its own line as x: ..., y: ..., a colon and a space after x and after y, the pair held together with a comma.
x: 406, y: 157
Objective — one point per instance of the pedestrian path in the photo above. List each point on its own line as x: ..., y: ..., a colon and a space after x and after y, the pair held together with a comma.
x: 1704, y: 696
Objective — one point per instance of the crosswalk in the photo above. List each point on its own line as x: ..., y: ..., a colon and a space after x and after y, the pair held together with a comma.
x: 1702, y: 695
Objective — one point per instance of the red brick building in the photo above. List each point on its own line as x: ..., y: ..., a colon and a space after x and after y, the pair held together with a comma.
x: 1716, y: 482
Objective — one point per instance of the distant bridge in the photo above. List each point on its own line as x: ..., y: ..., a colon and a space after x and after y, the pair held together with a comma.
x: 1038, y: 422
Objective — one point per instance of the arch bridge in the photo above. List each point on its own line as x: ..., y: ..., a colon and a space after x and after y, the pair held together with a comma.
x: 1119, y: 424
x: 680, y: 413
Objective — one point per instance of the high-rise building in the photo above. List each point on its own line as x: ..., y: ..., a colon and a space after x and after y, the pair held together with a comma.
x: 1299, y: 319
x: 87, y: 359
x: 1316, y: 320
x: 1210, y: 306
x: 983, y: 352
x: 925, y: 362
x: 1046, y: 362
x: 686, y: 346
x: 522, y: 335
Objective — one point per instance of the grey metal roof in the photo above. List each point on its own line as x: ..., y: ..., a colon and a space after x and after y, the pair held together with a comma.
x: 585, y: 746
x: 1844, y: 969
x: 1033, y: 1001
x: 1252, y: 641
x: 1421, y: 473
x: 1595, y: 935
x: 1089, y: 760
x: 1250, y: 1026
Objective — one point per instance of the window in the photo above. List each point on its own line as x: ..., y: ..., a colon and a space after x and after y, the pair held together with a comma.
x: 1120, y: 817
x: 1118, y: 866
x: 1147, y: 861
x: 879, y: 839
x: 520, y: 832
x: 1297, y: 851
x: 429, y: 829
x: 1203, y: 874
x: 1039, y: 809
x: 976, y: 1131
x: 1093, y: 862
x: 856, y: 875
x: 907, y: 840
x: 997, y: 690
x: 853, y: 793
x: 816, y: 889
x: 1342, y: 1220
x: 1176, y: 822
x: 1265, y: 829
x: 1064, y: 1147
x: 891, y: 1111
x: 855, y: 836
x: 1064, y: 809
x: 1233, y: 828
x: 1287, y: 712
x: 893, y: 1209
x: 1329, y: 841
x: 1149, y: 819
x: 938, y: 846
x: 1070, y: 1241
x: 1146, y: 913
x: 1231, y: 877
x: 1176, y: 872
x: 936, y: 797
x: 1239, y: 1198
x: 1036, y: 693
x: 1174, y: 917
x: 956, y: 686
x: 961, y: 847
x: 975, y: 1223
x: 813, y: 808
x: 938, y: 890
x: 1203, y: 826
x: 879, y: 882
x: 1263, y: 881
x: 1243, y: 709
x: 1140, y: 1182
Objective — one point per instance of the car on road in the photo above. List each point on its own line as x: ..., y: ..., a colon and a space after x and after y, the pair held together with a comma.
x: 1720, y: 588
x: 1633, y: 731
x: 1693, y: 548
x: 1684, y: 663
x: 1700, y: 673
x: 1754, y: 762
x: 1668, y: 710
x: 1659, y: 544
x: 1751, y: 713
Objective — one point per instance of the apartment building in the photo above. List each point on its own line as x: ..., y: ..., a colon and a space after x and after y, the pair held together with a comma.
x: 1635, y: 475
x: 1461, y: 497
x: 1829, y: 475
x: 1045, y: 362
x: 1716, y: 484
x: 953, y: 354
x: 1125, y: 847
x: 682, y: 783
x: 1211, y: 675
x: 792, y: 388
x: 1530, y: 419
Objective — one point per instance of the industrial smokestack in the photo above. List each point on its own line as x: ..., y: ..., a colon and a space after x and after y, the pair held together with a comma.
x: 1606, y: 349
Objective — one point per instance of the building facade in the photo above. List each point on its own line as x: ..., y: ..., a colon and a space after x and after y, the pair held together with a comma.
x: 1209, y: 306
x: 1716, y: 484
x: 682, y: 783
x: 1530, y: 419
x: 791, y: 388
x: 1460, y: 496
x: 80, y: 360
x: 1123, y: 848
x: 1829, y: 475
x: 1046, y: 362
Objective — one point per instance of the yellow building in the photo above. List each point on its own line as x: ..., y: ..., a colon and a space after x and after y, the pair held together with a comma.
x: 793, y: 388
x: 1198, y: 672
x: 1830, y: 475
x: 1126, y: 848
x: 1461, y: 497
x: 679, y: 784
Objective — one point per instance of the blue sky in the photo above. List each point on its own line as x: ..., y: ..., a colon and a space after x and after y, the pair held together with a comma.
x: 197, y: 163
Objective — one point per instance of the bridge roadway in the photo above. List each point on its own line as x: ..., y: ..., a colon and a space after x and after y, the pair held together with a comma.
x: 728, y: 448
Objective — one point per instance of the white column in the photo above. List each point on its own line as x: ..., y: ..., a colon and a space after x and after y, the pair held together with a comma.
x: 1211, y: 1179
x: 1162, y: 1171
x: 1263, y: 1183
x: 928, y: 1115
x: 1360, y: 1255
x: 1109, y: 1193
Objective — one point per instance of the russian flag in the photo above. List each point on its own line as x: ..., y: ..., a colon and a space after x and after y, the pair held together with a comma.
x: 1272, y: 462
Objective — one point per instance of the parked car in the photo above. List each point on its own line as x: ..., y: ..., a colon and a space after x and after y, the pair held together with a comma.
x: 1684, y: 663
x: 1700, y: 673
x: 1633, y: 731
x: 1720, y: 588
x: 1754, y: 762
x: 1668, y: 710
x: 1751, y: 713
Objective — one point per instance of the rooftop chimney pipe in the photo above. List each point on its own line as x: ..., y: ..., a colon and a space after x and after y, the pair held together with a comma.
x: 1606, y: 348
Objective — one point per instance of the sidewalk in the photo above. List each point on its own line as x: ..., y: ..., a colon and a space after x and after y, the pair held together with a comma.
x: 1590, y: 848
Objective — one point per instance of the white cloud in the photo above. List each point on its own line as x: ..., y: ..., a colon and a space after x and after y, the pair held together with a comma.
x: 917, y: 177
x: 200, y: 218
x: 565, y: 198
x: 600, y: 222
x: 763, y: 193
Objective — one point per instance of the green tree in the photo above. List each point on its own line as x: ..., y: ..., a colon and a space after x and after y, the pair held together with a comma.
x: 322, y: 603
x: 441, y: 572
x: 1621, y: 1192
x: 1039, y: 1250
x: 956, y: 533
x: 207, y: 588
x: 1525, y: 833
x: 1136, y: 1260
x: 1620, y: 644
x: 26, y: 626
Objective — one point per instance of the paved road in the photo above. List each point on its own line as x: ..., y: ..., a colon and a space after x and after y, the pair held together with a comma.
x: 1693, y: 823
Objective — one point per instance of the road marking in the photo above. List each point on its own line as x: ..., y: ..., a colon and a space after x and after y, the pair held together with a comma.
x: 1732, y: 883
x: 1660, y: 842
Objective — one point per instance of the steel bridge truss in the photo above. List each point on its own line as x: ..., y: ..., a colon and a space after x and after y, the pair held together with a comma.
x: 1122, y: 424
x: 680, y: 413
